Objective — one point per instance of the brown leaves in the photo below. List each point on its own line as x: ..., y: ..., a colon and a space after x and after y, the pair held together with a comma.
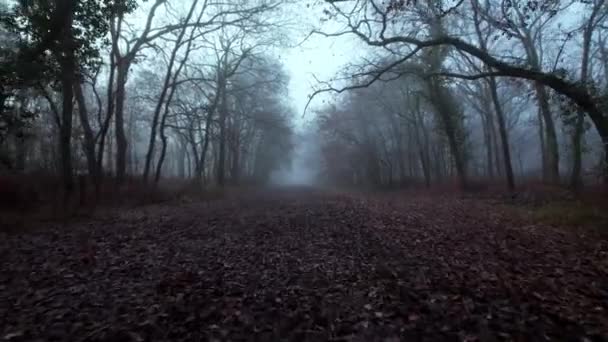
x: 304, y: 266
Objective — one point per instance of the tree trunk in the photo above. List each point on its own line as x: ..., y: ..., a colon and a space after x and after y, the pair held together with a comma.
x: 552, y: 148
x: 161, y: 158
x: 163, y: 123
x: 153, y: 128
x: 3, y: 97
x: 498, y: 164
x: 190, y: 143
x: 450, y: 126
x: 504, y: 136
x: 170, y: 77
x: 502, y: 127
x: 163, y: 150
x: 105, y: 128
x: 600, y: 121
x: 188, y: 161
x: 110, y: 156
x: 89, y: 137
x: 119, y: 122
x: 65, y: 140
x: 68, y: 68
x: 236, y: 167
x: 397, y: 135
x: 422, y: 150
x: 203, y: 158
x: 603, y: 132
x: 20, y: 153
x: 486, y: 121
x: 576, y: 180
x: 543, y: 146
x: 181, y: 158
x: 605, y: 171
x: 222, y: 143
x: 552, y: 152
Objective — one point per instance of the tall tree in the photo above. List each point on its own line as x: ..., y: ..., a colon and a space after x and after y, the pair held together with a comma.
x: 56, y: 27
x: 371, y: 23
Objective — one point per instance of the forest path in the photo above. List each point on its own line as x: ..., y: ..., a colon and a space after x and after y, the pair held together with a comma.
x: 299, y: 264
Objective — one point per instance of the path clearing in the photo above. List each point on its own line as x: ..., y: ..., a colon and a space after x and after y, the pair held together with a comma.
x: 304, y: 265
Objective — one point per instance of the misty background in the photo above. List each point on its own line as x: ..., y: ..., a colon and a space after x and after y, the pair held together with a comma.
x: 354, y: 93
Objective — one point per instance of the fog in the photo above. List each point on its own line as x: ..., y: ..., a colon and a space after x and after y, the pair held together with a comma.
x: 303, y: 170
x: 303, y: 167
x: 352, y: 93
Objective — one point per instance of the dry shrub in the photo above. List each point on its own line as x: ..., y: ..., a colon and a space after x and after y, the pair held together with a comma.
x: 30, y: 199
x: 575, y: 213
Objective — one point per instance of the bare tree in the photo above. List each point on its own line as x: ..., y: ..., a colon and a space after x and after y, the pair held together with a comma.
x: 371, y: 23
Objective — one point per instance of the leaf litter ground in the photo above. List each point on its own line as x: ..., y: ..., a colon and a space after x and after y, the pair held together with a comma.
x: 305, y: 265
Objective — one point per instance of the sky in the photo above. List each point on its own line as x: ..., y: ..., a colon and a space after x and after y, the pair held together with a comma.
x: 303, y: 60
x: 318, y: 56
x: 304, y: 63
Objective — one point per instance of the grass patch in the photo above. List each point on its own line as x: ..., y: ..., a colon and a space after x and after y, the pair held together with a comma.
x: 570, y: 213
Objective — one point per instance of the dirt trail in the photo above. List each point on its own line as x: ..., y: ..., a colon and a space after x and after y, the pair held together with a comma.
x: 304, y: 265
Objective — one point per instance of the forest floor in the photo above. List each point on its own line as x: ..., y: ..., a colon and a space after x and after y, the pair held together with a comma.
x: 305, y: 265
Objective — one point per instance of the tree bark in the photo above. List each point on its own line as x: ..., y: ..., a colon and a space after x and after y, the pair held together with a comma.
x: 105, y: 125
x: 181, y: 158
x: 552, y: 152
x: 163, y: 149
x: 209, y: 119
x: 223, y: 112
x: 68, y: 68
x: 169, y: 77
x: 576, y: 180
x: 422, y: 145
x: 123, y: 64
x: 89, y: 137
x: 65, y: 141
x: 485, y: 114
x: 504, y: 136
x: 532, y: 53
x: 20, y: 152
x: 172, y: 78
x: 119, y: 121
x: 450, y: 126
x: 576, y: 93
x: 236, y: 165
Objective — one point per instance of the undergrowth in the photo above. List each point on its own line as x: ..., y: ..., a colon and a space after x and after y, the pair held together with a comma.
x: 571, y: 213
